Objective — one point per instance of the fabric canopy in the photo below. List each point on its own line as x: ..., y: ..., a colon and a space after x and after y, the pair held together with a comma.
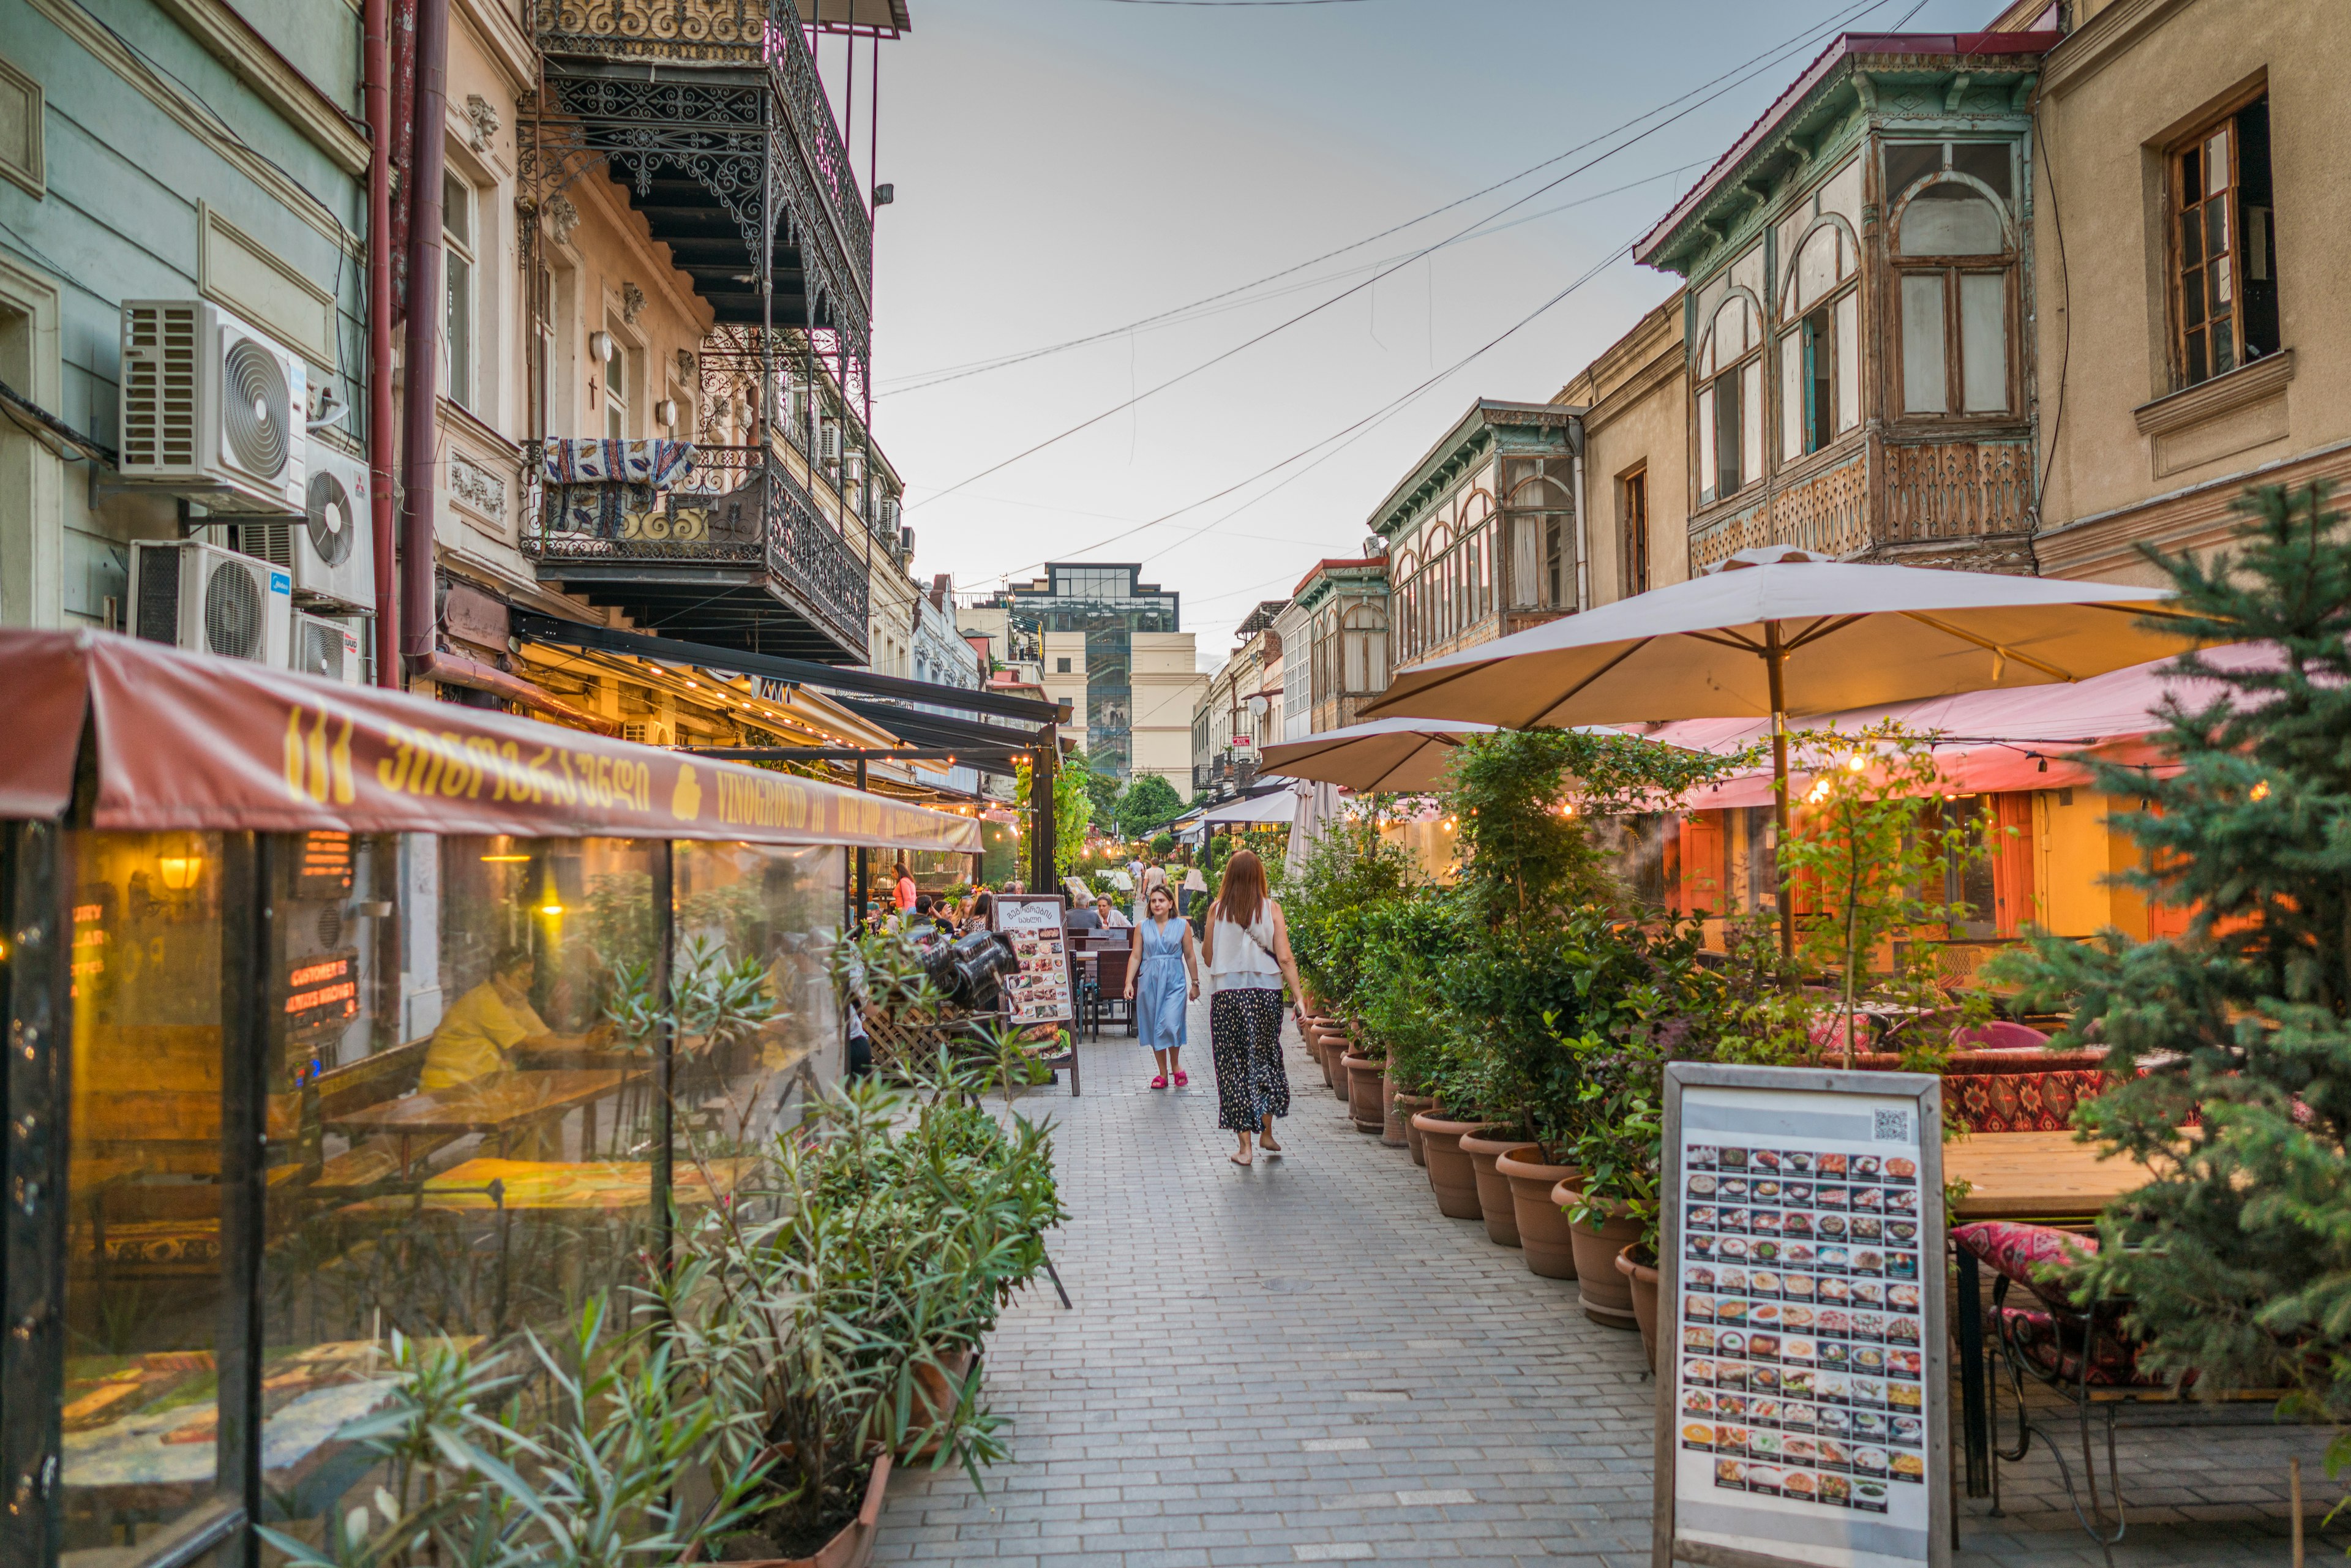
x: 1396, y: 756
x: 1281, y: 806
x: 1843, y: 635
x: 2040, y: 738
x: 191, y: 741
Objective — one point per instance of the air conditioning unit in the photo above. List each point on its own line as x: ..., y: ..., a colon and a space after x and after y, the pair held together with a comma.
x: 198, y: 596
x: 329, y: 648
x: 827, y: 443
x: 331, y: 550
x: 211, y: 409
x: 906, y: 542
x: 890, y: 512
x: 650, y: 732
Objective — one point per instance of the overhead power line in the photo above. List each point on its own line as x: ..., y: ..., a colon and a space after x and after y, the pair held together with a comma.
x: 922, y: 379
x: 1313, y: 310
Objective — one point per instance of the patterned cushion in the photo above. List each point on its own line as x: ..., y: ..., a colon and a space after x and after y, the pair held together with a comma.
x: 2022, y: 1252
x: 2054, y: 1343
x: 2022, y: 1102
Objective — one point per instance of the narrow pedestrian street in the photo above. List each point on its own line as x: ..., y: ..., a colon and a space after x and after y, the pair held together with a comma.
x: 1305, y: 1362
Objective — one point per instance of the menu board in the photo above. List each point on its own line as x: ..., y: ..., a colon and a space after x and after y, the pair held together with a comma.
x: 1040, y: 991
x: 1804, y: 1248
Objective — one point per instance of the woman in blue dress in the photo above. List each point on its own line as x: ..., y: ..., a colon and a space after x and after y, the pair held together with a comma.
x: 1165, y: 978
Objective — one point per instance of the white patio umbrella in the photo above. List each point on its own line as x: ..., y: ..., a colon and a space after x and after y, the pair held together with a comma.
x: 1778, y: 630
x: 1318, y: 808
x: 1400, y: 756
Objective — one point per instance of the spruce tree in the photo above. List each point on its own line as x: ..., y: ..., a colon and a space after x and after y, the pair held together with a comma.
x: 2236, y: 1258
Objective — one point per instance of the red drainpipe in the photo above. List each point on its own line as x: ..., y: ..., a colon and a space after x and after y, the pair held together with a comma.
x: 376, y: 92
x: 419, y: 476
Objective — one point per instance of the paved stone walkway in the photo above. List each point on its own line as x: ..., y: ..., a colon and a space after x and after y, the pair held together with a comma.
x: 1305, y: 1362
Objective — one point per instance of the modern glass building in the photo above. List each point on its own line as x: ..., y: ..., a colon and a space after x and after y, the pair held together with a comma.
x: 1111, y: 604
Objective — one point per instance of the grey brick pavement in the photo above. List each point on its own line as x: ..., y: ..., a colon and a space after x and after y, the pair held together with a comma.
x: 1305, y: 1362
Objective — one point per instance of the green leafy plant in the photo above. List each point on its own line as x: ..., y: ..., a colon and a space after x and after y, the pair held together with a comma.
x: 2235, y: 1259
x: 1146, y: 804
x: 1073, y: 808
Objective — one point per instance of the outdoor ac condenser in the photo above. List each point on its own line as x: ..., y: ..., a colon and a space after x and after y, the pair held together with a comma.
x: 327, y: 648
x: 211, y: 408
x: 208, y: 600
x: 330, y: 549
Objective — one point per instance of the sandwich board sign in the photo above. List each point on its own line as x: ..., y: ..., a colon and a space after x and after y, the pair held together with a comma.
x: 1803, y: 1383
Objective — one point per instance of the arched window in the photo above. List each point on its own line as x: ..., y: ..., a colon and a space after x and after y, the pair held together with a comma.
x: 1538, y: 513
x: 1955, y: 264
x: 1820, y: 351
x: 1730, y: 374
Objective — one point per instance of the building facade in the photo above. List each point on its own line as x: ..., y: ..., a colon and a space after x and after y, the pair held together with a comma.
x: 1483, y: 536
x: 1635, y: 473
x: 1239, y: 709
x: 1339, y: 655
x: 1112, y: 642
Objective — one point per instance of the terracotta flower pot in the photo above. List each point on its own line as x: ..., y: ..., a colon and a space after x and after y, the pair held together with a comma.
x: 1409, y: 1108
x: 1645, y: 1299
x: 853, y: 1547
x: 1494, y: 1203
x: 1392, y: 1117
x: 936, y: 1389
x: 1450, y: 1174
x: 1542, y: 1229
x: 1607, y: 1295
x: 1364, y: 1077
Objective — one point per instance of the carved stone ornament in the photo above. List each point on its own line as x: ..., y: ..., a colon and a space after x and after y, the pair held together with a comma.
x: 686, y: 364
x: 562, y: 217
x: 483, y: 116
x: 477, y: 487
x: 633, y: 303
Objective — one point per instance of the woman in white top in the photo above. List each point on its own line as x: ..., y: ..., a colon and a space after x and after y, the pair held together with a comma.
x: 1247, y: 954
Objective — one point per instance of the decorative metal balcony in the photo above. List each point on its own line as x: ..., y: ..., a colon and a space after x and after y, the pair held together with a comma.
x: 732, y: 551
x: 712, y: 113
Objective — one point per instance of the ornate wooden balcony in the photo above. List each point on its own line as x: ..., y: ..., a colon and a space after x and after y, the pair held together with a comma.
x: 733, y: 553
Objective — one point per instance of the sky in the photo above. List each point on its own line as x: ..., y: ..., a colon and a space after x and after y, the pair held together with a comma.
x: 1071, y: 170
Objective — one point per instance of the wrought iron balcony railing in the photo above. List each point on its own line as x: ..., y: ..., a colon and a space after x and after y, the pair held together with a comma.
x: 738, y: 33
x: 735, y: 506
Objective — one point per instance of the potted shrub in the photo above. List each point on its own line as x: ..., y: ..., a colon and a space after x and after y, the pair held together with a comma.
x: 1393, y: 1115
x: 1451, y: 1175
x: 1482, y: 1149
x: 1366, y: 1082
x: 1638, y: 1263
x: 1409, y: 1108
x: 1544, y: 1234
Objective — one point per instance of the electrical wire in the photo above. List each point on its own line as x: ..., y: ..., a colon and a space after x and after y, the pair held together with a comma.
x: 1851, y: 12
x: 1279, y: 328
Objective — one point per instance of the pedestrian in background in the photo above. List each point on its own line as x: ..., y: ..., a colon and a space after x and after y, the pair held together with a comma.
x: 905, y: 893
x: 1165, y: 979
x: 1249, y: 958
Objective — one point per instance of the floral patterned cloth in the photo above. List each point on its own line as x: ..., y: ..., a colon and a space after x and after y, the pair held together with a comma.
x: 2022, y: 1102
x: 2022, y: 1252
x: 2054, y: 1343
x: 656, y: 463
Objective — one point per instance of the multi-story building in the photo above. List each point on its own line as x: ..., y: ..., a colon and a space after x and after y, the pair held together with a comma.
x: 1339, y: 658
x: 1115, y: 645
x: 1859, y: 269
x: 1635, y: 484
x: 1239, y: 709
x: 1482, y: 536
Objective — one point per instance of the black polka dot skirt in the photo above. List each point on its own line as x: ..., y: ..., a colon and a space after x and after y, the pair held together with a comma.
x: 1245, y: 1045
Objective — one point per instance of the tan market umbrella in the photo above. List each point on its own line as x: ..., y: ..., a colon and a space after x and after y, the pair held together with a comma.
x: 1777, y: 631
x: 1396, y: 756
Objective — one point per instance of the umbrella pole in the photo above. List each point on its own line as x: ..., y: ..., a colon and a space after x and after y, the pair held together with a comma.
x: 1774, y: 658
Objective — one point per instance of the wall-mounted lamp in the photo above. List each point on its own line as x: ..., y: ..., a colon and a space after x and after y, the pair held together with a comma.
x: 180, y: 870
x: 600, y: 345
x: 666, y: 410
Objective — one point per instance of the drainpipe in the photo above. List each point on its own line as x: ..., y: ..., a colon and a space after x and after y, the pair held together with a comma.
x: 419, y: 479
x: 376, y: 94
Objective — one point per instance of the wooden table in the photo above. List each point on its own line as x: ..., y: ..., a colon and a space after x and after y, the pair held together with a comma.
x: 526, y: 1187
x: 2044, y: 1178
x: 496, y: 1105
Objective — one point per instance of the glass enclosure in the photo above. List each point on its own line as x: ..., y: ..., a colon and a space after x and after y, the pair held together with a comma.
x: 463, y: 1129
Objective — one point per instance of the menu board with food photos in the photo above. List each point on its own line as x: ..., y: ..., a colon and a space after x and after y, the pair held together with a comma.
x: 1801, y: 1263
x: 1039, y: 991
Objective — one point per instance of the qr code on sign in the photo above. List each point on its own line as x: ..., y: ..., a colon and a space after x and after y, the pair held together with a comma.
x: 1893, y: 1127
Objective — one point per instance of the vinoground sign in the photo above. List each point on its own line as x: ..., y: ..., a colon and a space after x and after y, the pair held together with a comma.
x: 1803, y: 1373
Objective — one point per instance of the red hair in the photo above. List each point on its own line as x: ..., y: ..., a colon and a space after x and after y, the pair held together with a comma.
x: 1242, y: 896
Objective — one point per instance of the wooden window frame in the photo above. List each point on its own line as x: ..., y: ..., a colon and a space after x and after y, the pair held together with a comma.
x: 2175, y: 266
x: 1632, y: 528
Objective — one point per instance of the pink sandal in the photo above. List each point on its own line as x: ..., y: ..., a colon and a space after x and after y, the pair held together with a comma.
x: 1160, y: 1081
x: 1182, y: 1078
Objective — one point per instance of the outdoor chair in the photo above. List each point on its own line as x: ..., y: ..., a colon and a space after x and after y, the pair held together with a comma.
x: 2081, y: 1353
x: 1111, y: 962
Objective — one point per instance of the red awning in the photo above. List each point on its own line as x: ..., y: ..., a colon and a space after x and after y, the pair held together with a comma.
x: 190, y: 741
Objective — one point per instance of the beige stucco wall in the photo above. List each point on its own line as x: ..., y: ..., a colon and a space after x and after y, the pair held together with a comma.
x: 1166, y: 689
x: 2119, y: 90
x: 1635, y: 395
